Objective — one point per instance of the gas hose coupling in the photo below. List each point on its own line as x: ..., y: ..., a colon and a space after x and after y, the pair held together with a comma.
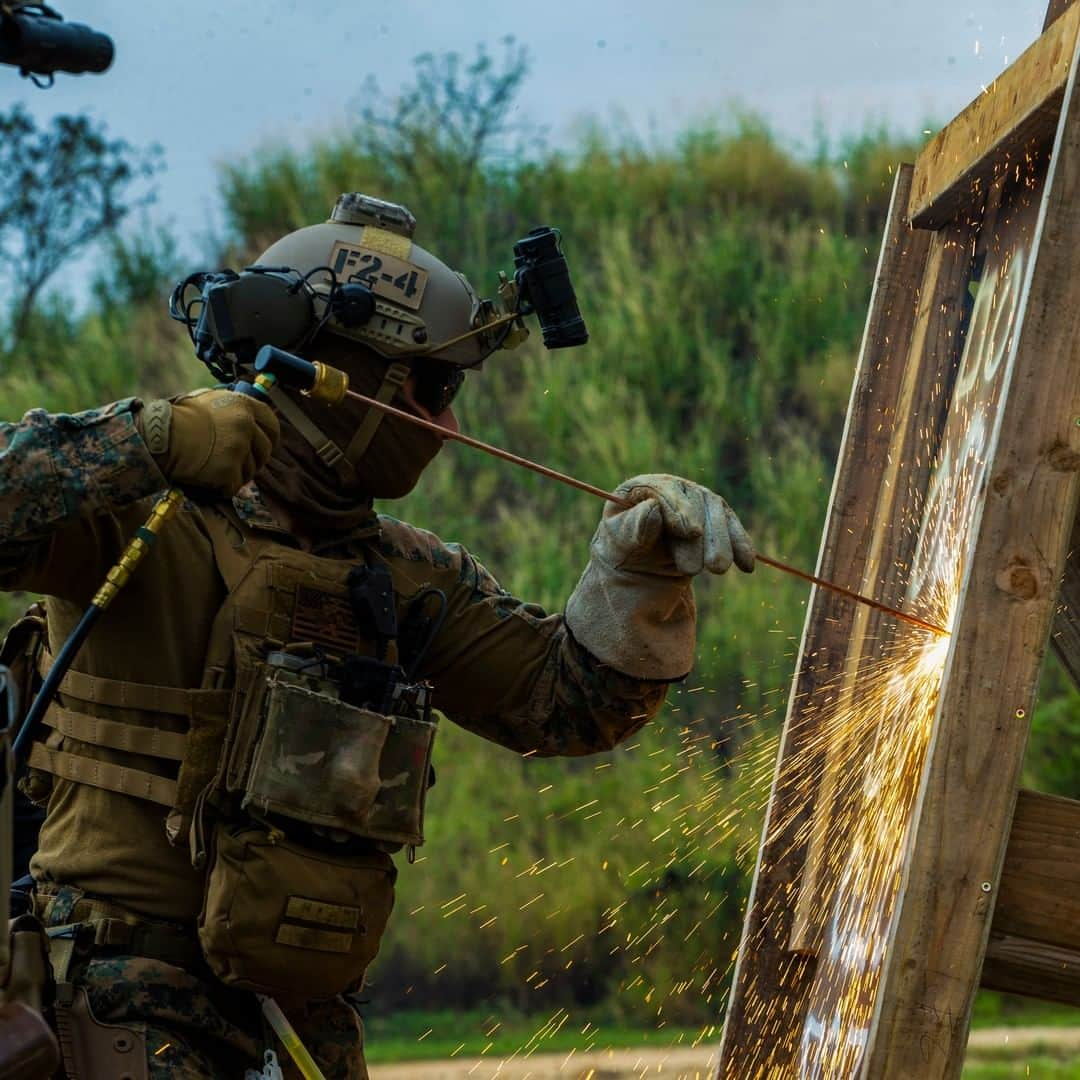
x: 330, y: 386
x: 143, y: 540
x: 315, y: 380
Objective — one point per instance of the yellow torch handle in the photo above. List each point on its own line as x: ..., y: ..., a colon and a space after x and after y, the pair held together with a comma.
x: 290, y: 1040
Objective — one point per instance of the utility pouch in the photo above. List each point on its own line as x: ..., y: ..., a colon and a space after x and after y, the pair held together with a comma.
x: 321, y: 761
x: 28, y: 977
x: 21, y: 652
x: 279, y: 918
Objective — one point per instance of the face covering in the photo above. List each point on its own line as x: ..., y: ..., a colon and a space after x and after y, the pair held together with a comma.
x: 389, y: 468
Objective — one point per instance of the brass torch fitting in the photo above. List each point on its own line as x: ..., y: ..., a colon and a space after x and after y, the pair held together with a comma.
x: 330, y: 385
x: 137, y: 547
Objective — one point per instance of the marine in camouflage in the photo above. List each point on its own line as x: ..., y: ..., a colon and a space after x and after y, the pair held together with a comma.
x: 73, y: 489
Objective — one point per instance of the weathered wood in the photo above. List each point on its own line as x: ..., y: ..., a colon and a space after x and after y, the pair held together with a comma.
x: 1009, y: 593
x: 1039, y: 893
x: 928, y: 370
x: 766, y: 970
x: 1066, y: 635
x: 1055, y: 9
x: 1034, y: 945
x: 1032, y: 968
x: 873, y: 973
x: 1021, y: 105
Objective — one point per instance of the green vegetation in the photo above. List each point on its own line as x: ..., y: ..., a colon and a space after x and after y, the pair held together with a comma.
x: 1023, y: 1066
x: 725, y: 280
x: 419, y: 1035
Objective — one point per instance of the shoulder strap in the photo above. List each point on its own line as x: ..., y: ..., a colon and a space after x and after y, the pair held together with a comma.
x: 235, y: 550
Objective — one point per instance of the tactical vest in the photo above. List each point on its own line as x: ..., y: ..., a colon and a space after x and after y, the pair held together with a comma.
x: 304, y: 760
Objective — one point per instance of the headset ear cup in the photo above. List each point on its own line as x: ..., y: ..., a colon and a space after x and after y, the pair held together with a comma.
x: 353, y: 304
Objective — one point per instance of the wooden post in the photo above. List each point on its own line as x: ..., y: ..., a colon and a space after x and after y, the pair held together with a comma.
x: 957, y: 486
x: 767, y: 969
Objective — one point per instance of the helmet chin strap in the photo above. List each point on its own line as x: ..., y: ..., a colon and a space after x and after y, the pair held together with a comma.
x: 328, y: 451
x: 393, y: 380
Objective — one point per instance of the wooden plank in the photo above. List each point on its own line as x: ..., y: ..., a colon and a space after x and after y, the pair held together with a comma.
x: 1032, y: 968
x: 1039, y: 893
x: 770, y: 980
x: 1055, y: 9
x: 1021, y: 105
x: 1020, y: 540
x: 901, y: 487
x: 1034, y: 946
x: 895, y: 698
x: 1066, y: 635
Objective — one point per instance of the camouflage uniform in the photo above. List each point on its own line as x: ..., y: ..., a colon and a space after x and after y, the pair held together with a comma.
x: 73, y: 489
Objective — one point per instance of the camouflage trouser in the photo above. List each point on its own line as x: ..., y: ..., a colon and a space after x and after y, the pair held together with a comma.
x: 197, y: 1029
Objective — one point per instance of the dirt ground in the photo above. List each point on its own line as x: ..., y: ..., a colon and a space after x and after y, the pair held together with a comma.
x: 673, y: 1064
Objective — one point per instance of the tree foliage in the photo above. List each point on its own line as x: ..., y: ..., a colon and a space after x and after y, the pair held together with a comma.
x: 449, y: 129
x: 62, y: 187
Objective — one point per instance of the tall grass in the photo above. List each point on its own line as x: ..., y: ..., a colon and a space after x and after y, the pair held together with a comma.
x: 724, y: 280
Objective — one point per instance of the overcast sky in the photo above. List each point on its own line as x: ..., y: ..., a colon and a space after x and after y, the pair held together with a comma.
x: 208, y: 80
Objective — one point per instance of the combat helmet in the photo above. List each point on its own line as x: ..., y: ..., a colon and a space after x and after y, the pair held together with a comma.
x: 421, y: 306
x: 369, y: 282
x: 360, y: 276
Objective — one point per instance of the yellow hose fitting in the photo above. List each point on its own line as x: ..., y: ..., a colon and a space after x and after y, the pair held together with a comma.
x: 330, y: 385
x: 164, y: 509
x: 137, y: 547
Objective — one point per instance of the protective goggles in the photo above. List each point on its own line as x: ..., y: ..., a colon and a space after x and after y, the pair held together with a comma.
x: 437, y: 384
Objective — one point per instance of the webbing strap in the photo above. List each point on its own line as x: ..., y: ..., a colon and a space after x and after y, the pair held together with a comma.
x: 117, y: 735
x: 393, y: 380
x: 132, y: 695
x: 163, y: 943
x: 103, y: 774
x: 328, y: 450
x: 144, y: 939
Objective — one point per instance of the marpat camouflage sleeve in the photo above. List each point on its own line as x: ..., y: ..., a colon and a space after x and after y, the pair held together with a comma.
x: 510, y: 671
x: 58, y: 472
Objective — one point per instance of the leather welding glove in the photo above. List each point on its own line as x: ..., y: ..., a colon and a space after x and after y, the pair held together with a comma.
x: 634, y: 605
x: 216, y: 440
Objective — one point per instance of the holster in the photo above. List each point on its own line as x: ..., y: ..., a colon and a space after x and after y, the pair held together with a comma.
x: 90, y: 1049
x: 93, y: 1050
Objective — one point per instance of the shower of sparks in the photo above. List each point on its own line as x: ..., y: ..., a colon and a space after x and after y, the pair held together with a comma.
x: 862, y: 742
x: 846, y: 795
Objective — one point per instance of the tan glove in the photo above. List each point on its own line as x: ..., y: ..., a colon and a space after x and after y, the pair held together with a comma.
x: 216, y: 440
x: 634, y: 605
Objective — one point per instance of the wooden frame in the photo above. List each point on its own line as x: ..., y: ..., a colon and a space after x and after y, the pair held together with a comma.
x: 868, y: 922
